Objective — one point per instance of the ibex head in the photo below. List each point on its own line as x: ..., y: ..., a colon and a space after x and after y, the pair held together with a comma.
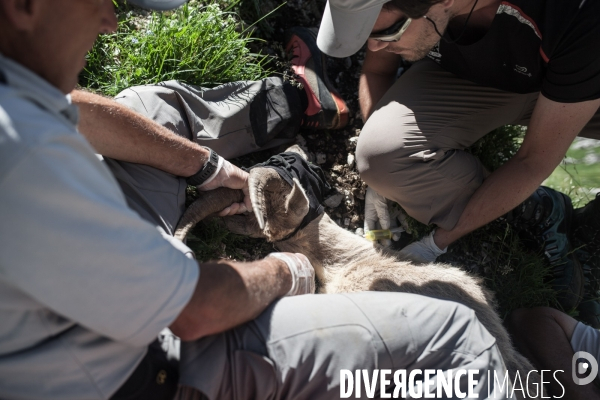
x: 279, y: 207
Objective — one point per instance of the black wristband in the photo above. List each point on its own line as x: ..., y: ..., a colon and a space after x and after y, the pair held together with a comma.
x: 206, y: 171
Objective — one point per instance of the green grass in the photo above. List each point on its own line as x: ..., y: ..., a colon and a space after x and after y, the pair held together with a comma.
x: 579, y: 174
x: 196, y: 44
x: 210, y: 240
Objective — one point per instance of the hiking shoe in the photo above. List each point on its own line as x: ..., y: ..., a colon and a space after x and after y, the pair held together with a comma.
x: 586, y: 241
x: 326, y: 109
x: 543, y: 221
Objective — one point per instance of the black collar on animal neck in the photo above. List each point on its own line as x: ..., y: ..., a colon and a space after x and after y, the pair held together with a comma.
x: 291, y: 165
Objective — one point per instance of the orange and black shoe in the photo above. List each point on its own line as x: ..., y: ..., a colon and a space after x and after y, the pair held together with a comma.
x: 326, y: 109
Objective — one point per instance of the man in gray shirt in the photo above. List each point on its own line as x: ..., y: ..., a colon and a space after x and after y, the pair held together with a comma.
x: 90, y: 274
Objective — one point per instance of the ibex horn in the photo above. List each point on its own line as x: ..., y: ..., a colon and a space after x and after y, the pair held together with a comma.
x: 258, y: 179
x: 209, y: 202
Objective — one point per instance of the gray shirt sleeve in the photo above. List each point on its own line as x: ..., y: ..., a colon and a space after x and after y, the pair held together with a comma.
x: 71, y: 243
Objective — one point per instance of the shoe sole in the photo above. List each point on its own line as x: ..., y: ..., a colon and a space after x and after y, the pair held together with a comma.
x: 340, y: 116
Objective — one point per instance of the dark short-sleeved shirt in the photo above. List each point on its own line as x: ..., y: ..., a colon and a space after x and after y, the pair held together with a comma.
x: 549, y: 46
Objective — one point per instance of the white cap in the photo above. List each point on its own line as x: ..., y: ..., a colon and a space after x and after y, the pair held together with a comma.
x: 346, y: 25
x: 159, y: 5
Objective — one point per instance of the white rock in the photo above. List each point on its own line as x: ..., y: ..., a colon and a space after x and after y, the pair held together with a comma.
x: 350, y: 159
x: 359, y: 232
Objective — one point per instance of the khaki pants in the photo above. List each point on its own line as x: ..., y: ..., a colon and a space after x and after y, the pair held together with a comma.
x: 411, y: 150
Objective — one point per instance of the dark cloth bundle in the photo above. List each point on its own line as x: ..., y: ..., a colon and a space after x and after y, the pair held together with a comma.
x: 291, y: 165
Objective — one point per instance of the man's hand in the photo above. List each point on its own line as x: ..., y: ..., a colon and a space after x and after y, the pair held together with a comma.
x: 377, y: 215
x: 376, y: 211
x: 230, y: 176
x: 230, y: 293
x: 423, y: 251
x: 303, y: 273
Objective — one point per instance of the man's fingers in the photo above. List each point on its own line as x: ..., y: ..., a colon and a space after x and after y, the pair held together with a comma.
x: 370, y: 224
x: 235, y: 208
x: 376, y: 210
x: 225, y: 212
x: 384, y: 217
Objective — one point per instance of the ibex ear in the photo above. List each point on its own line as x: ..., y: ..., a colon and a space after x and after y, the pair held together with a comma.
x: 296, y: 204
x: 285, y: 215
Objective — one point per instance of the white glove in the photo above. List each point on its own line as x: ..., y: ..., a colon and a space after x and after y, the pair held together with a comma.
x: 303, y: 273
x: 377, y: 215
x: 228, y: 175
x: 376, y: 210
x: 423, y: 251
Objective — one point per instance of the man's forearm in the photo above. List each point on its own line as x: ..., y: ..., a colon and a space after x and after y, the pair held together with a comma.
x: 377, y: 76
x: 117, y: 132
x: 371, y: 89
x: 502, y: 191
x: 231, y: 293
x: 552, y: 129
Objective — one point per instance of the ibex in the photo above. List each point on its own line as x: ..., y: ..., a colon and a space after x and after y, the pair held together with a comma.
x: 345, y: 262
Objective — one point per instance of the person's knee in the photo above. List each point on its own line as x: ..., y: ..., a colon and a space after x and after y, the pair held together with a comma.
x: 369, y: 163
x: 377, y: 156
x: 525, y: 321
x: 528, y: 316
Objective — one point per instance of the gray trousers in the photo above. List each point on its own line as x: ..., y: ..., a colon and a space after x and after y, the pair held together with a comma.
x: 411, y: 149
x: 298, y: 346
x: 233, y: 119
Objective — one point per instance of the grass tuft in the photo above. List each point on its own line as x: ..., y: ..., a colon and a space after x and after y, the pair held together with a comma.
x: 195, y: 44
x: 498, y: 146
x: 210, y: 240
